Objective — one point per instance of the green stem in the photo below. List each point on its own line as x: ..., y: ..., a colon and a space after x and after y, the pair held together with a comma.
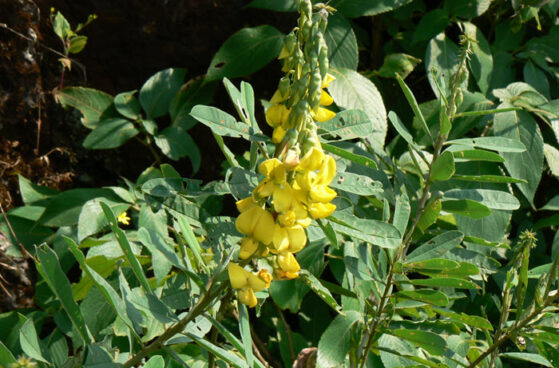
x: 485, y: 112
x: 198, y: 309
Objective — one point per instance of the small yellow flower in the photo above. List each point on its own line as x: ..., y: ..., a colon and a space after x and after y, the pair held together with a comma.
x: 123, y: 218
x: 277, y: 115
x: 289, y: 268
x: 258, y: 223
x: 248, y: 247
x: 246, y: 283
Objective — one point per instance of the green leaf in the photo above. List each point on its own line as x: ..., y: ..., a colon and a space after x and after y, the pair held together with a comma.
x: 127, y: 105
x: 536, y: 77
x: 245, y: 52
x: 351, y: 90
x: 65, y: 208
x: 528, y: 165
x: 488, y: 179
x: 220, y: 122
x: 104, y: 287
x: 501, y: 144
x: 494, y: 199
x: 357, y: 184
x: 156, y: 361
x: 436, y: 246
x: 77, y: 44
x: 402, y: 211
x: 398, y: 64
x: 528, y: 357
x: 226, y: 355
x: 359, y: 8
x: 434, y: 297
x: 275, y: 5
x: 429, y: 216
x: 414, y: 105
x: 341, y: 42
x: 176, y: 143
x: 319, y: 289
x: 476, y: 155
x: 473, y: 321
x: 336, y: 340
x: 467, y: 9
x: 443, y: 167
x: 49, y: 268
x: 6, y: 356
x: 552, y: 205
x: 401, y: 128
x: 552, y: 158
x: 126, y: 248
x: 92, y: 219
x: 481, y: 60
x: 433, y: 264
x: 29, y: 341
x: 376, y: 232
x: 193, y: 93
x: 446, y: 282
x: 466, y: 207
x: 348, y: 124
x: 98, y: 357
x: 520, y: 94
x: 61, y: 26
x: 244, y: 327
x: 158, y: 91
x: 32, y: 193
x: 441, y: 61
x: 431, y: 24
x: 110, y: 133
x: 93, y: 104
x: 431, y: 342
x: 353, y: 157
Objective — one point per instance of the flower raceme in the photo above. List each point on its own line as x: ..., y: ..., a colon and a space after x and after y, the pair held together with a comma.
x: 294, y: 188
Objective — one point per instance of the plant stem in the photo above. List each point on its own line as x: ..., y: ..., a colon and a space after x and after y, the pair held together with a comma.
x: 198, y: 309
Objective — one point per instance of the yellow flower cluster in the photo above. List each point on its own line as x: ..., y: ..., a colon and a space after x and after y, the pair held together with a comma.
x: 277, y: 115
x: 295, y: 185
x: 297, y: 194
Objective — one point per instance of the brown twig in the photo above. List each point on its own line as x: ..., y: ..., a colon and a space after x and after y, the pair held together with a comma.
x: 24, y: 251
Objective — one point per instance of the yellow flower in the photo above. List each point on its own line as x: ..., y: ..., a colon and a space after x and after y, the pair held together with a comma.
x: 278, y: 134
x: 289, y: 239
x: 289, y: 268
x: 322, y: 115
x: 248, y: 247
x: 245, y: 204
x: 277, y: 115
x: 321, y: 210
x: 257, y: 223
x: 246, y: 283
x: 123, y: 218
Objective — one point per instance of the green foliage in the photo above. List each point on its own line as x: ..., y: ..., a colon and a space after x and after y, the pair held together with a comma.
x: 428, y: 260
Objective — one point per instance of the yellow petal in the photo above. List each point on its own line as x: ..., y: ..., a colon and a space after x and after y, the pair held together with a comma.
x: 281, y: 239
x: 265, y: 275
x: 247, y: 297
x: 265, y: 188
x: 247, y: 220
x: 325, y: 99
x: 264, y: 229
x: 267, y: 167
x: 278, y: 134
x: 287, y: 218
x: 288, y: 263
x: 327, y: 170
x: 304, y: 222
x: 276, y: 115
x: 248, y: 247
x: 326, y: 81
x: 245, y: 204
x: 322, y: 114
x: 297, y: 238
x: 312, y: 160
x: 306, y: 179
x: 278, y: 97
x: 256, y: 283
x: 321, y: 210
x: 322, y: 193
x: 283, y: 196
x: 238, y: 276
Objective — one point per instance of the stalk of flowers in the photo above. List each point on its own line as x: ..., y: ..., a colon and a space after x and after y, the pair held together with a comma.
x: 294, y: 189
